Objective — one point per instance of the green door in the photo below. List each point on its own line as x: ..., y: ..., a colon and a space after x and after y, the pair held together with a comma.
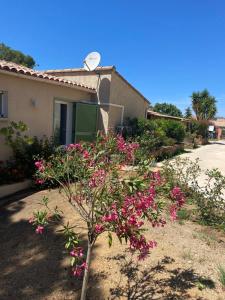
x: 85, y: 122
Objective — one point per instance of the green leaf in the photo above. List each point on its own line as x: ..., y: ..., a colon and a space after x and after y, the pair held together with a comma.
x: 120, y: 239
x: 73, y: 260
x: 109, y: 239
x: 67, y: 245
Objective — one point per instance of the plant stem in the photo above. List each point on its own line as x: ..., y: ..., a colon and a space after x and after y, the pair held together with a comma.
x: 86, y: 273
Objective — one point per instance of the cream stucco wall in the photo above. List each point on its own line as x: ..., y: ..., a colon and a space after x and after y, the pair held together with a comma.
x: 92, y: 79
x: 122, y: 93
x: 40, y: 118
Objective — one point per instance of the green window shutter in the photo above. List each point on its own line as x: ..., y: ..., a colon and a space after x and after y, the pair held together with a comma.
x: 85, y: 117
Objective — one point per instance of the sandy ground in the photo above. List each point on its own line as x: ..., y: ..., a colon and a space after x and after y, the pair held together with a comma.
x: 183, y: 266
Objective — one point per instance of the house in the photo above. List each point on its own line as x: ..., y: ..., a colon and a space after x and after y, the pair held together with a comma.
x: 155, y: 115
x: 117, y: 98
x: 70, y: 105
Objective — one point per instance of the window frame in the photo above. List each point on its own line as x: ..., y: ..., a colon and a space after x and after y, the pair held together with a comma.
x: 3, y: 106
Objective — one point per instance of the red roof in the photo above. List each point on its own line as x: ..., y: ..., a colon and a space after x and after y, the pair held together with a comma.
x: 19, y: 69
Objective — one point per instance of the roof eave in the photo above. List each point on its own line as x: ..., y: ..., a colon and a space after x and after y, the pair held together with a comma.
x: 48, y: 81
x: 98, y: 69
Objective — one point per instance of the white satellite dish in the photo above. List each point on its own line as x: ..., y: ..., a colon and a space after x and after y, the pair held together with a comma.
x: 91, y: 61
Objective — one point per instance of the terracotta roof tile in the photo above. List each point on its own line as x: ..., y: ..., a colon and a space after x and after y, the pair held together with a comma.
x: 15, y: 68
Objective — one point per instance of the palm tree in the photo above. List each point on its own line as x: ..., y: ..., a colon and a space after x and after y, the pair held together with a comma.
x: 204, y: 105
x: 188, y: 113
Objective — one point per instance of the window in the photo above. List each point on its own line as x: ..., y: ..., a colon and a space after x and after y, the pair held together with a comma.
x: 3, y: 104
x: 63, y: 112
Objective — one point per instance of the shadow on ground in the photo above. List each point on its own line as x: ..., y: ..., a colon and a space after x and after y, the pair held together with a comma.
x: 33, y: 266
x: 159, y: 282
x: 217, y: 143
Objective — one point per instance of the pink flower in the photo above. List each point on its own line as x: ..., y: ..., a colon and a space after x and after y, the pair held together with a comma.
x: 110, y: 217
x: 31, y: 220
x: 127, y: 148
x: 139, y: 243
x: 84, y: 265
x: 132, y: 220
x: 79, y: 269
x: 121, y: 144
x: 39, y: 165
x: 99, y: 228
x: 39, y: 229
x: 77, y: 252
x: 178, y: 195
x: 173, y: 212
x: 39, y: 181
x: 97, y: 178
x: 74, y: 147
x: 85, y: 154
x: 156, y: 177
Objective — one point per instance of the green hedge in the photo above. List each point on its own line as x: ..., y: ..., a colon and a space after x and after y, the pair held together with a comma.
x: 163, y: 128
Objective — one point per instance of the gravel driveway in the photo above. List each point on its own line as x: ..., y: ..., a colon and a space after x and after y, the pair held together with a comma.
x: 211, y: 156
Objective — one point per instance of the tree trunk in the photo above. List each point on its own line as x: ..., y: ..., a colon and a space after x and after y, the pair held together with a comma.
x: 86, y: 273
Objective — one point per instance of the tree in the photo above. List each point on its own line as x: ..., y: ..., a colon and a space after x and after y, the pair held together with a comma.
x: 188, y: 113
x: 9, y: 54
x: 204, y: 105
x: 167, y: 109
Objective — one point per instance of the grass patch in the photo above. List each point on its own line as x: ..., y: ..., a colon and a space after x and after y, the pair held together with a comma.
x: 187, y: 255
x: 221, y: 271
x: 183, y: 214
x: 209, y: 239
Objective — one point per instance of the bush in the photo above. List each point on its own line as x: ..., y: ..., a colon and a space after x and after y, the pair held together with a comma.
x: 25, y: 149
x: 163, y: 128
x: 199, y: 128
x: 209, y: 197
x: 153, y: 134
x: 173, y: 129
x: 89, y: 177
x: 10, y: 173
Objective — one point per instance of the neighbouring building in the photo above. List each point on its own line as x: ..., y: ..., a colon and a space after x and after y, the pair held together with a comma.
x: 155, y: 115
x: 70, y: 104
x: 219, y: 124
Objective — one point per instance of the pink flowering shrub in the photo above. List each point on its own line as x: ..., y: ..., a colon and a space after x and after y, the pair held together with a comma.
x: 103, y: 200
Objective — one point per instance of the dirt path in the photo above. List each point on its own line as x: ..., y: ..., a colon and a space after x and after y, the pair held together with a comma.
x: 183, y: 266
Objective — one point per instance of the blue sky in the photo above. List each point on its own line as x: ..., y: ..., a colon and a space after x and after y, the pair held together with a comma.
x: 165, y: 48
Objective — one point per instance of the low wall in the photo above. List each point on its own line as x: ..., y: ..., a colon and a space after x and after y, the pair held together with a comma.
x: 10, y: 189
x: 168, y: 150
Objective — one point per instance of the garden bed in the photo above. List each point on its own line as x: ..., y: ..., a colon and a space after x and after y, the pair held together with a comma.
x: 183, y: 266
x: 168, y: 151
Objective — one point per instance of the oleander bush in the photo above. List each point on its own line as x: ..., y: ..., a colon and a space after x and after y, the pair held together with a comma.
x: 89, y: 176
